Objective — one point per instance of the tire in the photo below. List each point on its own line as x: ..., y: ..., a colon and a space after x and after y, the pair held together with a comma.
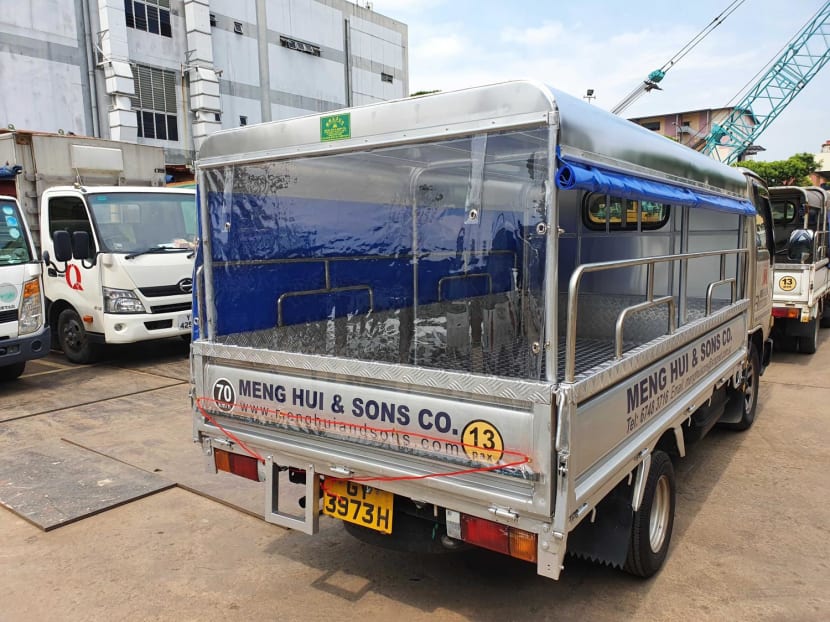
x: 11, y: 372
x: 653, y: 522
x: 785, y: 343
x: 809, y: 344
x: 73, y: 339
x: 747, y: 393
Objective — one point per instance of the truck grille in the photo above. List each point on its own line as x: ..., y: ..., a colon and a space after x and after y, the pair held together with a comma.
x: 179, y: 306
x: 177, y: 289
x: 8, y: 316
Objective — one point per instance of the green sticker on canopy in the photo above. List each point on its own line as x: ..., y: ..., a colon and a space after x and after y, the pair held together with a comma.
x: 335, y: 127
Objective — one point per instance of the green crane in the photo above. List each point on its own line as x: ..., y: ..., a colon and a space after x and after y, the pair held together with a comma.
x: 803, y: 57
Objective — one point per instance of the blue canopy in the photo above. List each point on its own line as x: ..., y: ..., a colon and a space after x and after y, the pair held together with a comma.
x: 578, y: 176
x: 9, y: 172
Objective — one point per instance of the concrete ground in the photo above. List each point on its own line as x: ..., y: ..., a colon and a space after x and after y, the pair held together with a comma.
x: 751, y: 538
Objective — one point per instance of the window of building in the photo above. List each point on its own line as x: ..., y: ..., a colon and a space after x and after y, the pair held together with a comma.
x: 217, y: 116
x: 606, y: 213
x: 155, y: 103
x: 151, y: 16
x: 243, y: 120
x: 654, y: 126
x: 237, y: 27
x: 212, y: 20
x: 386, y: 77
x: 299, y: 46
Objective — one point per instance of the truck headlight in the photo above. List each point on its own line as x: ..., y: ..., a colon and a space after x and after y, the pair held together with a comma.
x: 122, y: 301
x: 31, y: 308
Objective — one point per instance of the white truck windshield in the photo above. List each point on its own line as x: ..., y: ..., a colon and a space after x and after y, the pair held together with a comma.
x: 14, y: 247
x: 133, y: 222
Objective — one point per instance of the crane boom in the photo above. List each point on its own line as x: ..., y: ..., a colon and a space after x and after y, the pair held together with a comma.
x: 651, y: 82
x: 802, y: 59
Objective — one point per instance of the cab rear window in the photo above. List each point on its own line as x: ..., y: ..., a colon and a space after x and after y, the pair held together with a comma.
x: 606, y: 213
x: 783, y: 212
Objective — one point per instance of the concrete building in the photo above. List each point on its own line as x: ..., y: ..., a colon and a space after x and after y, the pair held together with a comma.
x: 170, y: 72
x: 821, y: 177
x: 692, y: 127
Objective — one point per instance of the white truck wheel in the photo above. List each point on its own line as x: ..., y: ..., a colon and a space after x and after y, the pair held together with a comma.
x: 809, y: 344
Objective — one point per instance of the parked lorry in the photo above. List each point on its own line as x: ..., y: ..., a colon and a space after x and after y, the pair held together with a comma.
x: 24, y: 334
x: 801, y: 280
x: 491, y: 317
x: 119, y: 248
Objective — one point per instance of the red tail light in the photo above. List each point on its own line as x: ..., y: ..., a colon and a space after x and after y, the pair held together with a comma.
x: 244, y: 466
x: 500, y: 538
x: 786, y: 312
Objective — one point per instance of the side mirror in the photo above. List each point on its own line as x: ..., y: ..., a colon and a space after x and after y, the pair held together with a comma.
x: 63, y: 245
x: 80, y: 245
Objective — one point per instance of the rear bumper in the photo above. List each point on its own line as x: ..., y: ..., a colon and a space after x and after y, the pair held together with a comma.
x: 26, y: 348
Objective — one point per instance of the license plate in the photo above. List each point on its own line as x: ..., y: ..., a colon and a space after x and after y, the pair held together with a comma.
x: 358, y: 504
x: 184, y: 322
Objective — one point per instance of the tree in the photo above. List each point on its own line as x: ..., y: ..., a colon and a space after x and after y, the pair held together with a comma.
x: 794, y: 171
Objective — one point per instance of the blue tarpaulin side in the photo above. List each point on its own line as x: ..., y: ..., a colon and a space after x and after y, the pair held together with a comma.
x: 577, y: 176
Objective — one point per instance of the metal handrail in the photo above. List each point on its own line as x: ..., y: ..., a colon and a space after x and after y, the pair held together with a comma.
x: 580, y: 271
x: 643, y: 306
x: 711, y: 290
x: 649, y: 303
x: 200, y: 302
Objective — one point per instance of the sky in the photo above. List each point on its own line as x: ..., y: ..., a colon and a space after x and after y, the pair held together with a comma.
x: 611, y: 46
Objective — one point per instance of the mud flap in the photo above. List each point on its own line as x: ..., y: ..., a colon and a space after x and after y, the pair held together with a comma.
x: 606, y: 539
x: 767, y: 356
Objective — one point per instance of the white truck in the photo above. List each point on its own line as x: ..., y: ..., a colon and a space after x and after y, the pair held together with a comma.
x: 801, y: 279
x: 492, y: 317
x: 24, y: 334
x: 118, y: 246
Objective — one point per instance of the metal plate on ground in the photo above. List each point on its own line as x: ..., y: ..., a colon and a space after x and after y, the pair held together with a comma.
x: 53, y: 484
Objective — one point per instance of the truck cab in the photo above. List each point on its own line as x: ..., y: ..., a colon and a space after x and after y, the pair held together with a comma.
x: 801, y: 280
x: 133, y: 280
x: 24, y: 334
x: 127, y: 277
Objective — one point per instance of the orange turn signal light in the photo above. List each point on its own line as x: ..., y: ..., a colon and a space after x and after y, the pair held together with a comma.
x: 31, y: 288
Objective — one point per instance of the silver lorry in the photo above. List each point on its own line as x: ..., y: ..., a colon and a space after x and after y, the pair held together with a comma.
x: 491, y: 317
x: 801, y: 279
x: 118, y: 248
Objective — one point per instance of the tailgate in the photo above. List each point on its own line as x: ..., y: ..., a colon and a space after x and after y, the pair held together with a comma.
x: 406, y: 438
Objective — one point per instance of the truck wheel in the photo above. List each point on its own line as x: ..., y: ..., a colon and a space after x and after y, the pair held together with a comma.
x: 653, y: 522
x: 10, y: 372
x: 809, y: 344
x: 785, y: 343
x: 747, y: 394
x: 73, y: 339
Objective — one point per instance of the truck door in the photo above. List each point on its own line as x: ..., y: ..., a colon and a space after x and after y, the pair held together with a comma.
x: 77, y: 282
x: 764, y: 255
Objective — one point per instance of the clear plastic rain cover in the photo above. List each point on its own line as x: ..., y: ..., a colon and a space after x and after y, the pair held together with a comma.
x: 426, y: 254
